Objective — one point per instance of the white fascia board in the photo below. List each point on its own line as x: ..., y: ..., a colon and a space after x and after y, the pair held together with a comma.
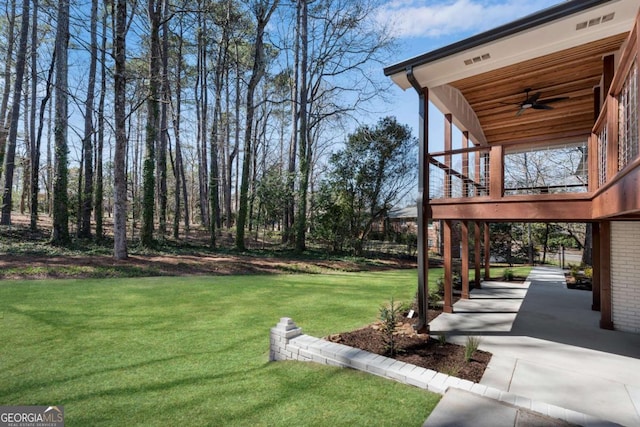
x: 543, y: 40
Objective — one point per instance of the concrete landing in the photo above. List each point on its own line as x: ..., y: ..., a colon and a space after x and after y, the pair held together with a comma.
x: 547, y: 347
x: 460, y: 408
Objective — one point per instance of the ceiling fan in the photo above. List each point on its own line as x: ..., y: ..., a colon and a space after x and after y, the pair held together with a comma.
x: 534, y: 101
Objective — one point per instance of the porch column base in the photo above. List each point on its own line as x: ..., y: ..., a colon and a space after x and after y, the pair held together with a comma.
x: 422, y: 328
x: 604, y: 324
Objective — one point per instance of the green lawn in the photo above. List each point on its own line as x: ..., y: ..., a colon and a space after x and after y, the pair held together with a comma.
x: 194, y: 350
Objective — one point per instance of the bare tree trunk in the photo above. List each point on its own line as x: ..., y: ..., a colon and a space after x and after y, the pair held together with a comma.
x: 87, y: 142
x: 25, y: 160
x: 120, y: 177
x: 164, y: 127
x: 305, y: 147
x: 35, y: 156
x: 233, y: 152
x: 34, y: 144
x: 60, y: 233
x: 99, y: 194
x: 153, y: 117
x: 214, y: 193
x: 9, y: 161
x: 263, y: 11
x: 203, y: 126
x: 134, y: 182
x: 4, y: 123
x: 289, y: 213
x: 179, y: 173
x: 49, y: 173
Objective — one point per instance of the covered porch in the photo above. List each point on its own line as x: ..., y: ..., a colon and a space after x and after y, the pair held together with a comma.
x: 540, y: 120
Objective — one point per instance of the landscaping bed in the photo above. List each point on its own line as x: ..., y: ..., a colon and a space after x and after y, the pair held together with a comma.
x: 418, y: 349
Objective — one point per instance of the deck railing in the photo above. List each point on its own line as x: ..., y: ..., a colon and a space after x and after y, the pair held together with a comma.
x: 501, y: 171
x: 459, y: 174
x: 508, y: 171
x: 615, y: 136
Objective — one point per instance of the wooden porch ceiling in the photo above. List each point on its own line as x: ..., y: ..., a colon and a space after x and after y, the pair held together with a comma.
x: 495, y: 96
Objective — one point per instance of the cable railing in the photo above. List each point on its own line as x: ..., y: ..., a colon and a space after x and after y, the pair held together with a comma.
x: 544, y: 169
x: 551, y: 169
x: 459, y: 174
x: 616, y: 134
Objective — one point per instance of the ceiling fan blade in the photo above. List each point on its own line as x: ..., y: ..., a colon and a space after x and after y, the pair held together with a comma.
x: 520, y: 111
x: 539, y: 106
x: 533, y: 98
x: 551, y: 100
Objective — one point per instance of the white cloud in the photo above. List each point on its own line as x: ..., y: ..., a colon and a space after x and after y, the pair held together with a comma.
x: 414, y: 18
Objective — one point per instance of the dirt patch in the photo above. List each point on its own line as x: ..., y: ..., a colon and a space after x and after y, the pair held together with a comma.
x: 26, y: 254
x: 26, y: 266
x: 419, y: 349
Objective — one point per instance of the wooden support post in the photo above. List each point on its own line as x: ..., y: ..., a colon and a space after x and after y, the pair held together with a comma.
x: 595, y: 280
x: 605, y: 275
x: 477, y: 254
x: 478, y: 175
x: 465, y: 163
x: 612, y: 117
x: 487, y: 252
x: 496, y: 172
x: 423, y: 204
x: 448, y: 269
x: 448, y: 146
x: 464, y: 272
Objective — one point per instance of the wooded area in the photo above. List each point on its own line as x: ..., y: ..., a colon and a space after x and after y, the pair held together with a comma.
x: 225, y: 114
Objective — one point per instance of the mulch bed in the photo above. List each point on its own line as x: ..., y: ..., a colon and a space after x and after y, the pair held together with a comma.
x: 419, y: 349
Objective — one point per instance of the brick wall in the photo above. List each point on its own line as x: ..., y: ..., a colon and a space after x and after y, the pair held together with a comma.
x: 625, y: 275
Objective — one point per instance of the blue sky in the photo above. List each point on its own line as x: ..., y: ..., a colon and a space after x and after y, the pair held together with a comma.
x: 424, y: 25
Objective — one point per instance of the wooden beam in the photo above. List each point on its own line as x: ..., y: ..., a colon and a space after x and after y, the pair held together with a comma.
x: 612, y: 137
x: 464, y: 272
x: 620, y: 196
x: 595, y: 279
x: 448, y: 121
x: 605, y: 276
x: 448, y: 268
x: 487, y: 251
x: 465, y: 162
x: 608, y: 71
x: 496, y: 173
x: 477, y: 253
x: 592, y: 163
x: 536, y: 208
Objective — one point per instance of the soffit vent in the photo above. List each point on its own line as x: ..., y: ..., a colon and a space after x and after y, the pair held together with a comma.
x: 477, y: 59
x: 595, y: 21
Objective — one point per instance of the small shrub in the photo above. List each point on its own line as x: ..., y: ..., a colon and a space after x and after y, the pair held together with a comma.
x: 436, y: 293
x: 470, y: 347
x: 456, y: 280
x: 389, y: 317
x: 588, y: 272
x: 508, y: 275
x: 574, y: 270
x: 452, y: 371
x: 442, y: 339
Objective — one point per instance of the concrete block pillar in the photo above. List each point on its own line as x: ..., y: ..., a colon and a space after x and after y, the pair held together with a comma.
x: 284, y: 331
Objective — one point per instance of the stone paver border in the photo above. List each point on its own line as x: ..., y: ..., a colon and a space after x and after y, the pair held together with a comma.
x: 287, y: 342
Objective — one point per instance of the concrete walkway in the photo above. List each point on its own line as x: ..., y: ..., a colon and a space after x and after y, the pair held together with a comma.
x: 547, y: 347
